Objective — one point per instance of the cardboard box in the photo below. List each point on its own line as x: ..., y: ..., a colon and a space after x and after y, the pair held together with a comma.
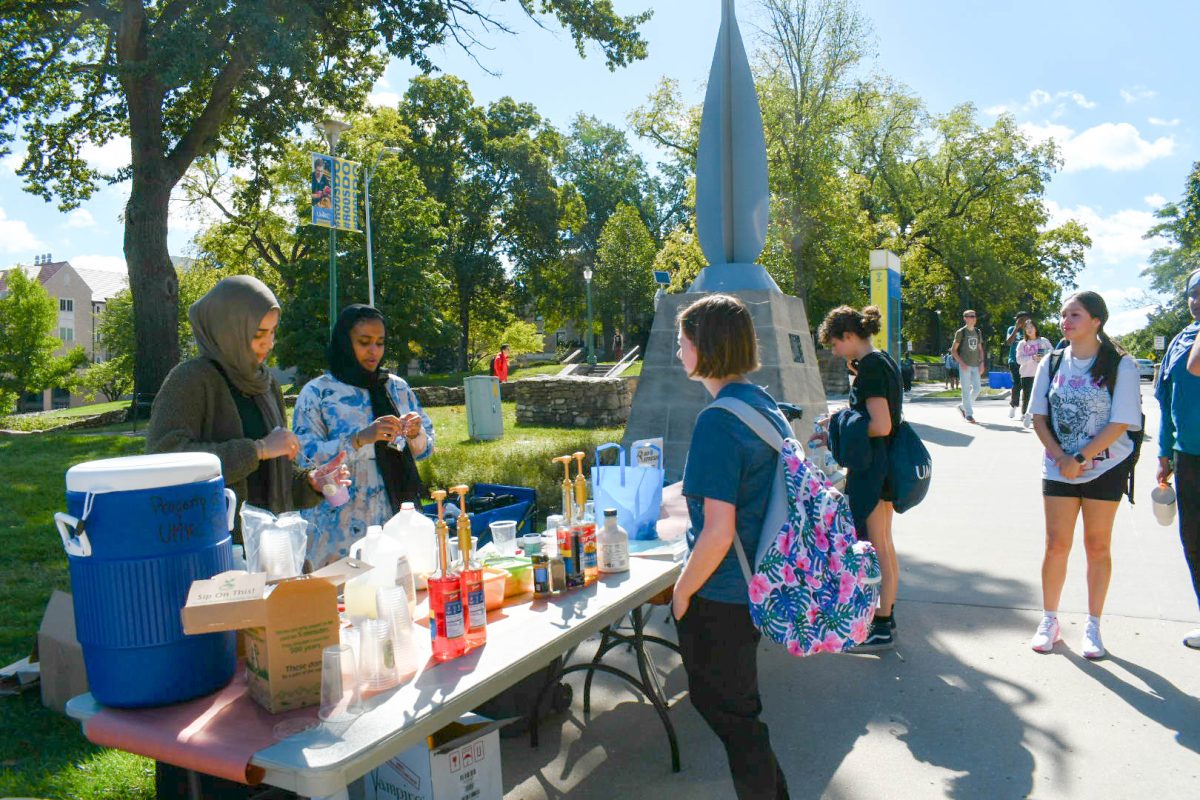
x: 285, y: 626
x: 63, y: 675
x: 459, y: 762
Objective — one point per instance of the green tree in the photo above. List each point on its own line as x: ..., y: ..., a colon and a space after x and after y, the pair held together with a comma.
x: 624, y: 279
x: 28, y: 316
x: 487, y: 334
x: 1179, y: 225
x: 681, y: 256
x: 112, y: 378
x: 185, y: 78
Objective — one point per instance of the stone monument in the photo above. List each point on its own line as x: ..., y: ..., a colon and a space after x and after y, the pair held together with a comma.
x: 732, y: 202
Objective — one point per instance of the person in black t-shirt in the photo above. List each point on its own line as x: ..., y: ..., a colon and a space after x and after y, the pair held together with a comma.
x: 876, y: 393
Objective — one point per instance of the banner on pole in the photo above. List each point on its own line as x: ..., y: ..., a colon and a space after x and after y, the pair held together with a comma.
x: 334, y: 192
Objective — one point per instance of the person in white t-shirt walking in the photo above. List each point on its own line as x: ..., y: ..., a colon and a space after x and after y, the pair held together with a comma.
x: 1085, y: 397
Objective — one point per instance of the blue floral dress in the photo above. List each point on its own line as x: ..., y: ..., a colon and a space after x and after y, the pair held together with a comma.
x: 328, y: 413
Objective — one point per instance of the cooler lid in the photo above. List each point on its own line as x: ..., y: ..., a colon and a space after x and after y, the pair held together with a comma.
x: 132, y: 473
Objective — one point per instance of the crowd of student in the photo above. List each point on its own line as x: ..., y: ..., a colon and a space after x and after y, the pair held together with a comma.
x: 365, y: 424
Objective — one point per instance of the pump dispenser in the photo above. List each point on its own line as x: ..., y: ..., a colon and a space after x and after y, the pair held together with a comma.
x: 568, y: 536
x: 471, y: 576
x: 584, y: 524
x: 446, y: 623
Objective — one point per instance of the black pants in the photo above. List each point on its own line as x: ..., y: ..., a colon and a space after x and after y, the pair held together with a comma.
x: 719, y: 645
x: 1026, y: 390
x: 1015, y: 371
x: 1187, y: 494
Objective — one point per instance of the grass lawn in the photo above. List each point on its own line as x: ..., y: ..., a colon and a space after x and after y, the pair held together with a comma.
x: 45, y: 755
x: 956, y: 393
x: 51, y: 419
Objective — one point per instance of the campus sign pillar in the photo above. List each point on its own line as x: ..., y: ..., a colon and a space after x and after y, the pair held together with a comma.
x: 885, y: 294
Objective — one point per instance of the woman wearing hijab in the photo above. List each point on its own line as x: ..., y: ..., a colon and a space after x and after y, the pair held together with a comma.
x: 1178, y: 393
x: 227, y: 403
x: 358, y: 408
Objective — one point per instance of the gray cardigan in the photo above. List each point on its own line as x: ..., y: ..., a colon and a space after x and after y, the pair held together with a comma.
x: 194, y: 411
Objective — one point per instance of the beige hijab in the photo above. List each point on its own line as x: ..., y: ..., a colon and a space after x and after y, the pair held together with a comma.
x: 224, y: 322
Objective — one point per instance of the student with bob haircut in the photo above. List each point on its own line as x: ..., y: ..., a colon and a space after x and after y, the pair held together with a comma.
x: 726, y: 481
x: 877, y: 395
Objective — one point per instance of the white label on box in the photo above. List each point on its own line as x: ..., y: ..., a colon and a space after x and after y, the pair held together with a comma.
x: 644, y: 454
x: 227, y: 587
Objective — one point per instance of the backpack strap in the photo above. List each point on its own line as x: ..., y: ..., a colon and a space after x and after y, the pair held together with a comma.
x: 1056, y: 357
x: 769, y: 434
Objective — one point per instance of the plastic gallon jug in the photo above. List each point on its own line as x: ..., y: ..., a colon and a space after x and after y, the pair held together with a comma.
x: 415, y: 533
x: 137, y: 532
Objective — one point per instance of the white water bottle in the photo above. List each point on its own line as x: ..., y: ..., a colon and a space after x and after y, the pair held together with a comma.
x: 1163, y: 498
x: 612, y: 545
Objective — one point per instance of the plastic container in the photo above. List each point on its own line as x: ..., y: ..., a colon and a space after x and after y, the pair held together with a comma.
x: 150, y: 526
x: 494, y: 582
x: 520, y: 573
x: 414, y: 531
x: 518, y: 512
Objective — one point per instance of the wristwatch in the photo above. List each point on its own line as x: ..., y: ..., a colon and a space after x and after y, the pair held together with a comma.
x: 1079, y: 458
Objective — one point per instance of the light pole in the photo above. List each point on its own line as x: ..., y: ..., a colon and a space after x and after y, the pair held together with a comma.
x: 591, y: 347
x: 367, y: 202
x: 333, y: 130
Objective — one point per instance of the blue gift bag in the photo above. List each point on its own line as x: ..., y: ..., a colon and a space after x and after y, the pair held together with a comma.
x: 635, y: 492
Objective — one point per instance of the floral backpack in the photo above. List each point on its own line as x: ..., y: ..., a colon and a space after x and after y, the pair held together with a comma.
x: 814, y: 585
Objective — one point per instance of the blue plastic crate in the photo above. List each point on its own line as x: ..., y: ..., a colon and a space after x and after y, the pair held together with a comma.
x: 521, y: 512
x: 1000, y: 380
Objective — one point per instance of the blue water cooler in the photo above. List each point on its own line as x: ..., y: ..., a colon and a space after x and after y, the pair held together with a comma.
x: 137, y: 532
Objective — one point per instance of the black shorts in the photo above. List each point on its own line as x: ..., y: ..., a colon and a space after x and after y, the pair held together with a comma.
x: 1109, y: 486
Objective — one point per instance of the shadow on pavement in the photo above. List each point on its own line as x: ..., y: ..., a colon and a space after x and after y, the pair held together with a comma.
x: 941, y: 436
x: 1158, y: 699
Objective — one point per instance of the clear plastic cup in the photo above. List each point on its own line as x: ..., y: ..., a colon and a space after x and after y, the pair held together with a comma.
x: 275, y: 556
x: 377, y: 667
x: 340, y: 699
x: 393, y: 609
x: 531, y: 544
x: 504, y: 536
x: 335, y: 493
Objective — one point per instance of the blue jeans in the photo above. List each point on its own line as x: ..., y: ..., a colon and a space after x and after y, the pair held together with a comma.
x: 972, y: 387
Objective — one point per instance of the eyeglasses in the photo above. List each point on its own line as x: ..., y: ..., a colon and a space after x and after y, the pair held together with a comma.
x: 968, y: 316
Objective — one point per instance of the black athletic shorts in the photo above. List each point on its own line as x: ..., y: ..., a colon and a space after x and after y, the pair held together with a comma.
x: 1109, y: 486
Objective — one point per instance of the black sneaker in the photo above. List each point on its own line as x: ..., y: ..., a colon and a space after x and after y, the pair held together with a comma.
x: 882, y: 637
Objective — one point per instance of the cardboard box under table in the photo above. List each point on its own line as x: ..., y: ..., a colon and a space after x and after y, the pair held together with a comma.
x: 459, y: 762
x: 284, y: 626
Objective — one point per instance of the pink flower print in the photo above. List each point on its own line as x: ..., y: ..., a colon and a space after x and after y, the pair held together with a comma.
x: 816, y: 647
x: 835, y: 563
x: 792, y: 462
x: 803, y: 563
x: 789, y: 575
x: 821, y: 541
x: 841, y: 543
x: 786, y: 539
x: 813, y: 583
x: 795, y: 648
x: 846, y: 587
x: 760, y: 587
x: 811, y: 614
x: 832, y: 643
x: 859, y: 630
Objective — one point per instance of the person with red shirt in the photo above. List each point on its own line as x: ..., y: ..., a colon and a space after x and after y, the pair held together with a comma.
x: 500, y: 364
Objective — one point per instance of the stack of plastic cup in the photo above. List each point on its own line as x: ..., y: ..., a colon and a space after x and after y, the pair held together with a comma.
x: 340, y: 700
x: 504, y: 536
x: 393, y: 609
x: 377, y: 661
x: 275, y: 554
x: 406, y: 580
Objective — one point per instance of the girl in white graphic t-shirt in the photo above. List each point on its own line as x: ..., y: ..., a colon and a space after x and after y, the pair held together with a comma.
x: 1030, y: 352
x: 1082, y: 415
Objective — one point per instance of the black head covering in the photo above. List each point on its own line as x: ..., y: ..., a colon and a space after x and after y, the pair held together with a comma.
x: 398, y: 469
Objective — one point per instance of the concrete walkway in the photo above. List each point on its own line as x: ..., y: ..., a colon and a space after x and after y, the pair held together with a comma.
x: 962, y: 707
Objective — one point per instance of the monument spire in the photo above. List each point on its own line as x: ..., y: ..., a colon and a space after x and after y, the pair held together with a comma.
x: 732, y: 195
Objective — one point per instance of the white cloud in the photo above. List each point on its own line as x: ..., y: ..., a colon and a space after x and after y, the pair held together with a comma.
x: 1154, y: 200
x: 1116, y: 238
x: 1125, y: 320
x: 12, y: 162
x: 1040, y: 98
x: 1163, y: 123
x: 1115, y: 146
x: 110, y: 156
x: 107, y: 263
x: 1137, y: 93
x: 383, y: 99
x: 81, y: 218
x: 16, y: 237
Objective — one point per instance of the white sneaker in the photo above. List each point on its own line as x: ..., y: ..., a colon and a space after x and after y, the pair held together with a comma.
x: 1192, y: 640
x: 1048, y: 633
x: 1027, y: 420
x: 1012, y: 411
x: 1093, y: 647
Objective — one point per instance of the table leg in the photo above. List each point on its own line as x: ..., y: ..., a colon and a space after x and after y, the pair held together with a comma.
x: 193, y: 783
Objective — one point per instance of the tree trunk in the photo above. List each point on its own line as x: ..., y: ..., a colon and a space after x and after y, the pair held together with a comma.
x: 464, y: 322
x: 152, y: 280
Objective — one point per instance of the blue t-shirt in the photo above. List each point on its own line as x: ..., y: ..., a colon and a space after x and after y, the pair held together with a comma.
x: 1179, y: 397
x: 727, y: 461
x: 1012, y: 350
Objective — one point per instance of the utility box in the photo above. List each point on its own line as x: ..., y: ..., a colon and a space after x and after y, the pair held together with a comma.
x: 485, y: 422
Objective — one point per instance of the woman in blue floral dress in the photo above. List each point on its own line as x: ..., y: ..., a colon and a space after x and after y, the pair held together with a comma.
x: 360, y: 409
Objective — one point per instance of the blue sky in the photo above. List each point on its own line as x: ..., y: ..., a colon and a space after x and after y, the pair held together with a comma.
x: 1113, y: 83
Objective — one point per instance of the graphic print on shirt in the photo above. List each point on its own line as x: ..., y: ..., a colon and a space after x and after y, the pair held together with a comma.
x: 1080, y: 408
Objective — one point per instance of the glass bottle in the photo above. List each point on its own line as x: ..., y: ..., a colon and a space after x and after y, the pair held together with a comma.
x: 471, y: 575
x: 446, y: 624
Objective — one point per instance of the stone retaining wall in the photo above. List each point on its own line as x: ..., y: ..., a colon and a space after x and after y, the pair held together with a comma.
x: 573, y: 402
x: 431, y: 396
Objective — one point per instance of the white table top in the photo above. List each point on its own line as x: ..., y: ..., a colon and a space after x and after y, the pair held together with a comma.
x: 522, y: 639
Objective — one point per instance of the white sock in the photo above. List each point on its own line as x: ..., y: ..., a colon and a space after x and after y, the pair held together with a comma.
x: 1050, y: 614
x: 1094, y: 620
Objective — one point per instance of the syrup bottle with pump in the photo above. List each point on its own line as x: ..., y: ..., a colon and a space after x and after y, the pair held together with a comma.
x: 446, y: 622
x: 470, y: 574
x: 585, y: 523
x: 568, y: 535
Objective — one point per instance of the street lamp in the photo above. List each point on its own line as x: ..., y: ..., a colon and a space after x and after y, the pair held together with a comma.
x: 333, y: 128
x: 591, y: 348
x: 367, y: 198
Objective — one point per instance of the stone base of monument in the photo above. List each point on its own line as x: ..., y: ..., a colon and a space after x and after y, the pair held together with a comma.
x: 667, y: 402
